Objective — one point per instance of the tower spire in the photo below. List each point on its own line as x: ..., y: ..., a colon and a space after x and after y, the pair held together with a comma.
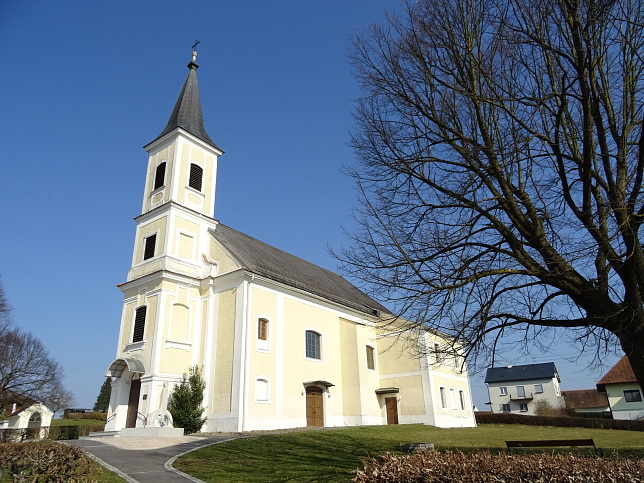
x: 187, y: 113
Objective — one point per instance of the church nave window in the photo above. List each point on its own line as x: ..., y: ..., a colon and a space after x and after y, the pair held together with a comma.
x: 262, y: 329
x: 371, y: 358
x: 313, y: 345
x: 139, y: 324
x: 196, y: 177
x: 149, y: 247
x: 159, y: 176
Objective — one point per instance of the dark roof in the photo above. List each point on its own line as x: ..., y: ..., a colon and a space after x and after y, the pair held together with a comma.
x: 187, y: 110
x: 262, y: 259
x: 546, y: 370
x: 619, y: 373
x: 585, y: 399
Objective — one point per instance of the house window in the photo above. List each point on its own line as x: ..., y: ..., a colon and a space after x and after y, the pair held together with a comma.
x: 371, y: 362
x: 196, y: 177
x: 139, y: 324
x: 503, y: 391
x: 159, y: 176
x: 452, y: 394
x: 520, y: 391
x: 461, y: 396
x: 149, y: 246
x: 505, y: 408
x: 437, y: 352
x: 632, y: 395
x: 538, y: 389
x: 523, y: 407
x: 312, y: 345
x: 443, y: 398
x: 262, y: 329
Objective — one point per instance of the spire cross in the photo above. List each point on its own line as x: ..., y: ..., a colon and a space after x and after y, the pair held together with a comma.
x: 197, y: 42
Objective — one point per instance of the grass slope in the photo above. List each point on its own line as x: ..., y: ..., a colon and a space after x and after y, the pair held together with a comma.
x: 332, y: 454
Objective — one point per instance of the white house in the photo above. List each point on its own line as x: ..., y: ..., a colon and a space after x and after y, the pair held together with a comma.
x: 623, y: 392
x: 520, y: 389
x: 282, y: 342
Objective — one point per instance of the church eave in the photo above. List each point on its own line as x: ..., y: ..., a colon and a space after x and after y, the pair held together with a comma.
x: 167, y: 137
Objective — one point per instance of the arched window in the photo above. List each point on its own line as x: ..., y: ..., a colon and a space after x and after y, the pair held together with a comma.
x: 139, y: 324
x: 313, y: 345
x: 196, y: 177
x: 159, y: 176
x: 371, y: 358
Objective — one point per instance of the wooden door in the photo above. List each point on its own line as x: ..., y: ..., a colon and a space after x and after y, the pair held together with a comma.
x: 133, y: 403
x: 314, y: 407
x: 391, y: 404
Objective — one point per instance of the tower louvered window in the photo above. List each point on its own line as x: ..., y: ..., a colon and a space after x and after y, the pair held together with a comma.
x: 196, y: 177
x: 150, y: 245
x: 159, y: 176
x: 139, y: 324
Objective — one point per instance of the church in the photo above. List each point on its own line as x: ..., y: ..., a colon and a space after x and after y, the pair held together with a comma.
x: 282, y: 343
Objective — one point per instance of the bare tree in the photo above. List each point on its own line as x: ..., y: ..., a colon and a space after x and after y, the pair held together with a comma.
x: 26, y: 368
x: 500, y: 163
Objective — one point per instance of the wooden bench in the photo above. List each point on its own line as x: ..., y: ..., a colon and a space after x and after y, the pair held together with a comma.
x: 553, y: 443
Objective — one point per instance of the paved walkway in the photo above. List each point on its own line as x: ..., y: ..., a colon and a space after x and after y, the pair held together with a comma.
x: 146, y: 460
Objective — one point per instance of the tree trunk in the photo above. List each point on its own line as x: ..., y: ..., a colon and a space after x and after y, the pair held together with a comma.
x: 632, y: 341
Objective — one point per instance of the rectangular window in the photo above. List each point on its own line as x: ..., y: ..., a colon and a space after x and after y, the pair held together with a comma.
x: 523, y: 407
x: 538, y: 389
x: 312, y: 345
x: 371, y: 362
x: 150, y: 244
x: 443, y: 398
x: 196, y: 177
x: 461, y: 396
x: 139, y: 324
x: 521, y: 391
x: 262, y: 329
x: 505, y: 408
x: 503, y: 391
x: 159, y: 176
x: 452, y: 394
x: 632, y: 395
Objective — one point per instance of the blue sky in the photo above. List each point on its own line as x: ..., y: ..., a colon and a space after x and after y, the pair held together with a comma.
x: 86, y: 84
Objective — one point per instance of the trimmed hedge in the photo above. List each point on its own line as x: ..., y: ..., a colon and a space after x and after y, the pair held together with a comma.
x: 560, y: 421
x: 73, y: 432
x: 434, y: 466
x: 47, y: 462
x: 96, y: 415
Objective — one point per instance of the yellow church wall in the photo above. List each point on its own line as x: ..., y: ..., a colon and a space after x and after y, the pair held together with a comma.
x: 141, y: 351
x: 351, y: 400
x: 223, y: 378
x: 186, y: 242
x: 161, y: 195
x: 394, y: 356
x: 157, y: 226
x: 226, y: 264
x: 411, y: 399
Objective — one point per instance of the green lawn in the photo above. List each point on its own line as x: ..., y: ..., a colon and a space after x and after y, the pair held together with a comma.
x: 331, y: 454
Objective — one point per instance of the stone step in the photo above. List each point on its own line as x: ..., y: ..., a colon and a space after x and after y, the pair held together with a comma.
x: 102, y: 434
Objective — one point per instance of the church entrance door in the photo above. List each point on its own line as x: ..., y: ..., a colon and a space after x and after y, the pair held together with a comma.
x: 133, y: 403
x: 314, y: 407
x: 392, y: 410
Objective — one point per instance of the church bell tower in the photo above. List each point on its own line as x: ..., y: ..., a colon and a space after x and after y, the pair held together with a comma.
x: 163, y: 315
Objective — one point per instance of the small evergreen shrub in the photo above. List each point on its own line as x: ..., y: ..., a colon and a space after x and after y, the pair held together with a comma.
x: 185, y: 402
x: 95, y: 415
x: 72, y: 432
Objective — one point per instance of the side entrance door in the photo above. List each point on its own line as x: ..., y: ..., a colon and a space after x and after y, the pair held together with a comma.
x: 391, y: 403
x: 314, y: 407
x: 133, y: 403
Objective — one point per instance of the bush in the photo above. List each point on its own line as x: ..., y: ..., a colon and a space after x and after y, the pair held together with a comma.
x: 95, y: 415
x: 185, y: 402
x: 73, y: 432
x: 45, y: 461
x: 560, y: 421
x: 433, y: 466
